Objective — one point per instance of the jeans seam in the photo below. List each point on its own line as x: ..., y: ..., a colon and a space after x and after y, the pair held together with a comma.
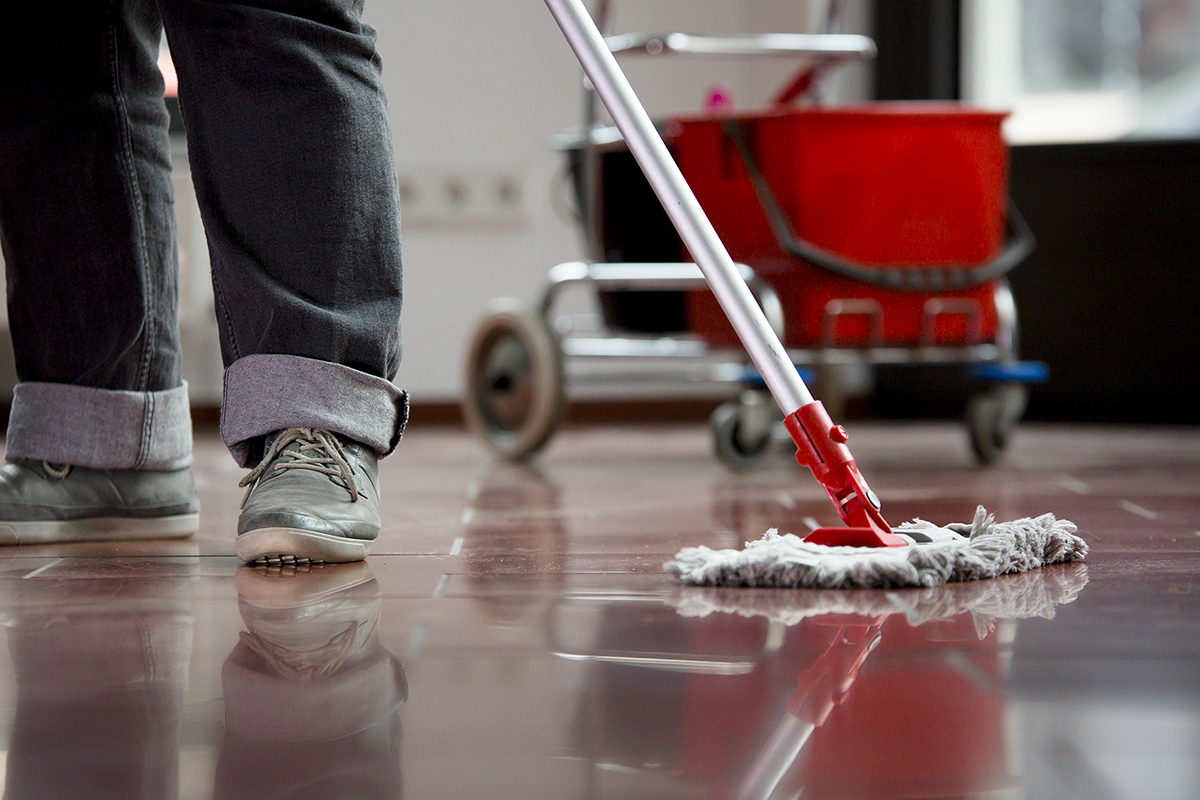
x: 122, y: 112
x: 223, y: 309
x: 147, y: 429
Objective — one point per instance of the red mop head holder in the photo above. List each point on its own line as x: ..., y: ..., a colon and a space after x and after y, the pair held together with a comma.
x: 821, y: 446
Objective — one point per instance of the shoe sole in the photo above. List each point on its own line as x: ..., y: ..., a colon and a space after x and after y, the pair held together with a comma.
x: 99, y: 529
x: 286, y: 544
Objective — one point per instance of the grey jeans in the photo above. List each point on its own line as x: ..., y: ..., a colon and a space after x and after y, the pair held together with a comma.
x: 291, y: 158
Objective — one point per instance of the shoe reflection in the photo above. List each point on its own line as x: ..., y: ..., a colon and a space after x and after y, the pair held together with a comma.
x: 311, y: 696
x: 101, y: 658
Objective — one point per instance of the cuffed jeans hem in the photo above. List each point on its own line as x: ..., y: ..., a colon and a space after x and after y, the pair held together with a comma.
x: 265, y: 393
x: 100, y: 428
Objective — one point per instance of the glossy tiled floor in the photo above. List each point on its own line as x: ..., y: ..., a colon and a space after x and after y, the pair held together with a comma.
x: 513, y: 636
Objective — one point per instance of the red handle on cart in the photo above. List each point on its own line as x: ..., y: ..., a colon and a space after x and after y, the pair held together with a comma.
x: 821, y: 446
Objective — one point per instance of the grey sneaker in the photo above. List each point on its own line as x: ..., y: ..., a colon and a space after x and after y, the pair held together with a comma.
x: 44, y: 503
x: 314, y: 497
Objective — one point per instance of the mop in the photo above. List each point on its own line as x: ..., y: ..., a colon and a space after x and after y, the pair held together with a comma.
x: 930, y: 555
x: 867, y: 552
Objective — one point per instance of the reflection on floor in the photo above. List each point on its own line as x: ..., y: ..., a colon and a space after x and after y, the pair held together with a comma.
x: 513, y: 636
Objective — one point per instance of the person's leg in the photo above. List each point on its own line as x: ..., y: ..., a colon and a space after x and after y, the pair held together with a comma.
x: 87, y: 228
x: 292, y: 160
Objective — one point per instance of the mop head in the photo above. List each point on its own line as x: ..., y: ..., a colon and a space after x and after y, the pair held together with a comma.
x: 983, y: 549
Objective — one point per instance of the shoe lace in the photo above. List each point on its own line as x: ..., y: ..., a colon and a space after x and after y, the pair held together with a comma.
x: 319, y: 451
x: 56, y: 471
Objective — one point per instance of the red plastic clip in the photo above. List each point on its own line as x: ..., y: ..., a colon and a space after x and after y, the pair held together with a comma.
x: 821, y: 446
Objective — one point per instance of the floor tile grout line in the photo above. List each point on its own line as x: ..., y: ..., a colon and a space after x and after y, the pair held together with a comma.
x: 1073, y: 484
x: 1134, y: 508
x: 42, y: 569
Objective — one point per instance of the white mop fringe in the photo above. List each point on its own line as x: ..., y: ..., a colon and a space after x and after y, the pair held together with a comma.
x: 989, y: 549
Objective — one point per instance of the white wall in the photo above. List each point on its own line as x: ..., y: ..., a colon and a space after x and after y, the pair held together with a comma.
x: 471, y: 84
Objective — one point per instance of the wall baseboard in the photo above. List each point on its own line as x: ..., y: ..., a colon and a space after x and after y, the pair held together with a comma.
x: 586, y: 412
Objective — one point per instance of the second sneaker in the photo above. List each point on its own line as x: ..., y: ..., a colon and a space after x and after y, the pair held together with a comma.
x: 313, y: 497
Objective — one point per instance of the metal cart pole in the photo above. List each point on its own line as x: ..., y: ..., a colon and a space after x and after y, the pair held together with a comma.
x: 753, y: 329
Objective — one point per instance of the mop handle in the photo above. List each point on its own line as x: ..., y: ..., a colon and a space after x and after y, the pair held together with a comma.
x: 748, y: 320
x: 821, y: 444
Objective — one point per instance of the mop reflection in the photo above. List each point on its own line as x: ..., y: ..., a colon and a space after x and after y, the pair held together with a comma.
x: 927, y: 718
x: 100, y: 652
x: 311, y: 696
x: 775, y: 693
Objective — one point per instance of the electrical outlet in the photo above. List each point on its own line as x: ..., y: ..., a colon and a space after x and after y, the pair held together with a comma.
x: 457, y: 194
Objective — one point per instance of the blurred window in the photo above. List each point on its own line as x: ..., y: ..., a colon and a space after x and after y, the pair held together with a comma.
x: 1086, y: 70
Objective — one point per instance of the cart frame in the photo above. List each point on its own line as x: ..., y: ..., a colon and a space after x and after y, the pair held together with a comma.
x: 554, y: 349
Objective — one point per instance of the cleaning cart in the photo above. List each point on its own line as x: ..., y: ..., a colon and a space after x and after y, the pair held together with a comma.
x: 871, y: 235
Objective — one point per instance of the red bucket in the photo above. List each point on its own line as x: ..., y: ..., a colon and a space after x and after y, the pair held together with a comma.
x: 895, y: 185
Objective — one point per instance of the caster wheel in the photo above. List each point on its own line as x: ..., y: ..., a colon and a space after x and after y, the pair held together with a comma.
x: 742, y: 433
x: 991, y: 418
x: 514, y: 396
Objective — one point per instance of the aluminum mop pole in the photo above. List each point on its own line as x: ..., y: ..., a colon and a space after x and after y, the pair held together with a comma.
x: 821, y: 445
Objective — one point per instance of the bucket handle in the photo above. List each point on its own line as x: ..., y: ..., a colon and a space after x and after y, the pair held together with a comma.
x: 1018, y: 245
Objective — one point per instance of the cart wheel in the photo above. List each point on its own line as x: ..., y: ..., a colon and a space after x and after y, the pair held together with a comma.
x: 992, y: 416
x: 742, y: 435
x: 514, y: 380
